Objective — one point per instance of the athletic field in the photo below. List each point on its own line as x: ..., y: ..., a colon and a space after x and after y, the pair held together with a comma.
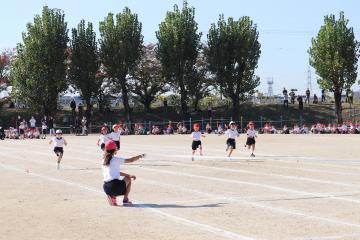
x: 298, y: 187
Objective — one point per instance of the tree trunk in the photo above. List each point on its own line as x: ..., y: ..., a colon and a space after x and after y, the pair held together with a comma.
x: 338, y: 107
x: 88, y: 110
x: 147, y: 105
x: 125, y: 98
x: 235, y: 108
x: 183, y: 98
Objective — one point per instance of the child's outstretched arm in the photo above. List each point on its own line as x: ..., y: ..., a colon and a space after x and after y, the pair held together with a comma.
x: 65, y: 142
x: 133, y: 159
x: 98, y: 142
x: 50, y: 141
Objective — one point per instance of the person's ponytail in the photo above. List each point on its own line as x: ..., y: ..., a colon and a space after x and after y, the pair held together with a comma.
x: 108, y: 156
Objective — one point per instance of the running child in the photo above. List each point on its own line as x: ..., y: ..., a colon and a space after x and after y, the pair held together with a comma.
x: 59, y: 143
x: 115, y: 135
x: 103, y: 138
x: 196, y: 137
x: 251, y: 135
x: 113, y: 185
x: 231, y: 134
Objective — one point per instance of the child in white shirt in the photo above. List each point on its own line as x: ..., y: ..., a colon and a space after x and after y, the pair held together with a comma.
x: 59, y: 143
x: 251, y: 135
x: 231, y: 134
x: 196, y: 137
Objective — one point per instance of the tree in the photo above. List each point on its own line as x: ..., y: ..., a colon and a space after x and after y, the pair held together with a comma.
x: 334, y: 55
x: 177, y: 49
x: 84, y: 65
x: 120, y: 48
x: 201, y: 79
x: 234, y: 51
x: 39, y: 72
x: 147, y: 79
x: 5, y: 59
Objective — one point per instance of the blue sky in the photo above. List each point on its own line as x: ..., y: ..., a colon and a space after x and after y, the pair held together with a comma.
x: 285, y: 26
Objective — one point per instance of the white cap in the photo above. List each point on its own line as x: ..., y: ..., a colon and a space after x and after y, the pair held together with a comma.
x: 231, y: 122
x: 58, y: 131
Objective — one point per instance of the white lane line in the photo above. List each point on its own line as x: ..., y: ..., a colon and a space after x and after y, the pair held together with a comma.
x: 267, y: 186
x: 346, y: 236
x: 245, y: 202
x: 266, y: 174
x: 258, y: 205
x: 66, y: 166
x: 184, y: 221
x: 314, y: 163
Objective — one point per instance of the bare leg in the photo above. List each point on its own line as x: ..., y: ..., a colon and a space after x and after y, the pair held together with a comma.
x: 231, y: 150
x: 128, y: 188
x: 201, y: 150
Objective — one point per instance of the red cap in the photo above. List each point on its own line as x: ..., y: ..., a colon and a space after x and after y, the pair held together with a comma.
x: 196, y: 126
x: 110, y: 145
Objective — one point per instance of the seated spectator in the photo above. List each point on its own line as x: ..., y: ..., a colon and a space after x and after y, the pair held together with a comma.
x: 273, y: 130
x: 169, y: 129
x: 296, y: 129
x: 285, y: 130
x: 344, y: 128
x: 219, y: 130
x: 266, y: 128
x: 304, y: 129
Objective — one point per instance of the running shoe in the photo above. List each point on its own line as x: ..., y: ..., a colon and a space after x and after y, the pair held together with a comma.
x: 127, y: 203
x: 112, y: 200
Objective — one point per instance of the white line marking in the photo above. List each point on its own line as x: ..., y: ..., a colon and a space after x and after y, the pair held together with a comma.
x: 237, y: 200
x: 267, y: 186
x: 184, y: 221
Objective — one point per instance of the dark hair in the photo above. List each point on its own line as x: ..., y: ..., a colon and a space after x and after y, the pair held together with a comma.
x: 108, y: 155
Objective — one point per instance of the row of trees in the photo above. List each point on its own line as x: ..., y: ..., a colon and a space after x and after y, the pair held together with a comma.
x: 48, y: 60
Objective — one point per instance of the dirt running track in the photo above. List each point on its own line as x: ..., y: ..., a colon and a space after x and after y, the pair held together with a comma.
x: 297, y: 187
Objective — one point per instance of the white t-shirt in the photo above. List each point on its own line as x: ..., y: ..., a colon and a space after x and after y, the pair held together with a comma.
x: 112, y: 171
x: 58, y: 142
x: 251, y: 133
x: 232, y: 133
x: 104, y: 138
x: 115, y: 136
x: 196, y: 136
x: 32, y: 122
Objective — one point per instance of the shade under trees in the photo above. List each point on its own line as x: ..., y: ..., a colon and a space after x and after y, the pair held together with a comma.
x: 39, y: 72
x: 234, y: 51
x: 120, y: 49
x: 146, y: 79
x: 84, y: 63
x: 334, y: 54
x: 177, y: 49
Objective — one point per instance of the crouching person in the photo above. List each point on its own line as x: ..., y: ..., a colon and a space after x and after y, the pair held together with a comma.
x: 113, y: 184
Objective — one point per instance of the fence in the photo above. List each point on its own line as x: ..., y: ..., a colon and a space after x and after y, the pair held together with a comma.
x: 212, y: 122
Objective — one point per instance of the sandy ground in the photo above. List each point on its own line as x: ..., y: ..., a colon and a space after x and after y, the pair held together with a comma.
x: 297, y: 187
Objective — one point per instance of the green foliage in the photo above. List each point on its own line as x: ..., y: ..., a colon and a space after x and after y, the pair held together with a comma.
x: 120, y: 43
x: 39, y: 72
x: 84, y: 63
x: 334, y: 54
x: 233, y: 55
x: 201, y: 80
x: 147, y: 80
x: 177, y: 49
